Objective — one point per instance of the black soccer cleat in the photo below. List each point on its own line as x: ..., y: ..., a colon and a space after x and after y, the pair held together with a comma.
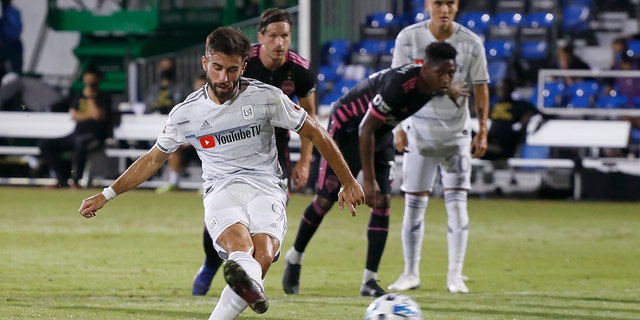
x: 248, y: 289
x: 371, y: 289
x: 291, y: 277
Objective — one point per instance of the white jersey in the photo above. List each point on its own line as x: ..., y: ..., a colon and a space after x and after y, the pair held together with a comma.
x: 441, y: 127
x: 235, y: 140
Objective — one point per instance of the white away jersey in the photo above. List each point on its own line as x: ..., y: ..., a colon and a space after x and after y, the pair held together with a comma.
x: 235, y: 140
x: 440, y: 124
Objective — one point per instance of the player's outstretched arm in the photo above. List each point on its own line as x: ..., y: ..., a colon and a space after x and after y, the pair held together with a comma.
x: 139, y: 171
x: 351, y: 193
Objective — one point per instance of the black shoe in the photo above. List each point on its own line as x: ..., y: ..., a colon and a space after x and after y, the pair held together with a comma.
x: 371, y: 289
x: 291, y: 277
x: 248, y: 289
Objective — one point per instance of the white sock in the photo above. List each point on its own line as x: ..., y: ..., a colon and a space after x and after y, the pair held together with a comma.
x: 368, y: 275
x: 174, y: 177
x: 458, y: 231
x: 249, y: 264
x: 229, y: 306
x: 293, y: 256
x: 413, y: 232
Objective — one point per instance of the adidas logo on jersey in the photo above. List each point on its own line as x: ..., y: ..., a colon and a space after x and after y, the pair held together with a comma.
x: 205, y: 125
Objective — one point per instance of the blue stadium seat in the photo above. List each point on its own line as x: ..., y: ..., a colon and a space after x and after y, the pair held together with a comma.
x: 504, y: 26
x: 367, y: 52
x: 381, y: 20
x: 576, y: 17
x: 612, y: 102
x: 329, y: 98
x: 552, y: 94
x: 477, y: 22
x: 534, y: 50
x: 327, y: 76
x: 386, y: 56
x: 335, y: 52
x: 381, y: 26
x: 582, y: 94
x: 415, y: 13
x: 341, y: 87
x: 498, y: 70
x: 538, y: 20
x: 633, y: 48
x: 499, y: 49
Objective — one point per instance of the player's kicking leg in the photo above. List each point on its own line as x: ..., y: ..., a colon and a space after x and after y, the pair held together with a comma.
x: 212, y: 262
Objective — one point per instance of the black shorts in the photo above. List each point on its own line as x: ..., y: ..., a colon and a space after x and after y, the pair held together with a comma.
x: 347, y: 139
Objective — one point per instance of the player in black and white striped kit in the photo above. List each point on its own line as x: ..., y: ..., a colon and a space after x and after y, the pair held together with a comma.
x: 361, y: 123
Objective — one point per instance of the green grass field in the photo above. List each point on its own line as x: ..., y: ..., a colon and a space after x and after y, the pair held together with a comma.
x: 135, y: 260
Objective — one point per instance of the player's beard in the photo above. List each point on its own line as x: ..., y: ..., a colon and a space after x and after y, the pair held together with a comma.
x: 227, y: 94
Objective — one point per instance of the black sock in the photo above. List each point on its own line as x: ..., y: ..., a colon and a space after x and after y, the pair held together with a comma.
x: 377, y: 232
x: 310, y: 222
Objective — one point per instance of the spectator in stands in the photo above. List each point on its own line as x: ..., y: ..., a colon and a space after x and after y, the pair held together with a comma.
x: 19, y: 93
x: 568, y: 60
x: 628, y: 87
x: 165, y: 94
x: 618, y: 48
x: 91, y: 110
x: 509, y: 120
x: 176, y: 162
x: 11, y: 50
x: 273, y: 63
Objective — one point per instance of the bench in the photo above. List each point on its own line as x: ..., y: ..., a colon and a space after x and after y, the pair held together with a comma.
x: 47, y: 125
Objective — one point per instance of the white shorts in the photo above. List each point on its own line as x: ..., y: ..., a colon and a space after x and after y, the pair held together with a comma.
x: 245, y: 204
x: 419, y: 172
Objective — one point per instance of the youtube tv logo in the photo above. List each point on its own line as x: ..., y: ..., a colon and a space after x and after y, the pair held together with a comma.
x: 207, y: 142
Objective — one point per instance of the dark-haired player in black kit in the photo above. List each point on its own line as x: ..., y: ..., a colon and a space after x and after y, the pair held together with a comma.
x: 361, y: 123
x: 273, y: 63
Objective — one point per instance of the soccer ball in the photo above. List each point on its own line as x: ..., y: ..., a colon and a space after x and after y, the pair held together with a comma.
x: 393, y: 306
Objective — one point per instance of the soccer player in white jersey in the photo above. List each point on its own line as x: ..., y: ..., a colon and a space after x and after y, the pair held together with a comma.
x: 230, y: 122
x: 438, y: 136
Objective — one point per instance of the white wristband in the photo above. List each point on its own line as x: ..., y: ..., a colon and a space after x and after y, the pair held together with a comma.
x: 109, y: 193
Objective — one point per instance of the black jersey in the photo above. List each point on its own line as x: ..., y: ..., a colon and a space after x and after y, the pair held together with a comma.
x: 294, y: 78
x: 391, y: 94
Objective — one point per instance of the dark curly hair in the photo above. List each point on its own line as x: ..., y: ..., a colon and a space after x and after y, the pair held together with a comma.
x: 441, y: 51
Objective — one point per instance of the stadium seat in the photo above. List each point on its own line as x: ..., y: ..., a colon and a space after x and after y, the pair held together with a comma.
x: 576, y: 17
x: 582, y: 94
x: 499, y: 49
x: 504, y: 26
x: 329, y: 98
x: 552, y: 94
x: 612, y: 102
x: 336, y: 52
x: 415, y: 13
x: 538, y: 20
x: 477, y: 21
x: 633, y: 49
x: 327, y: 76
x: 534, y: 152
x: 498, y: 70
x: 534, y: 50
x: 341, y: 87
x: 380, y: 26
x: 386, y: 56
x: 367, y: 53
